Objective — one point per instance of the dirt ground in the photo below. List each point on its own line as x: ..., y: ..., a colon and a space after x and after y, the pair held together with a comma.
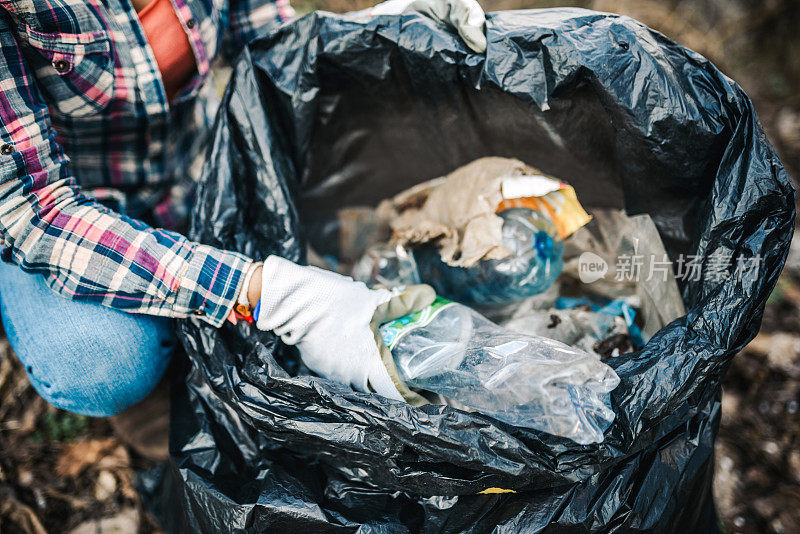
x: 65, y: 473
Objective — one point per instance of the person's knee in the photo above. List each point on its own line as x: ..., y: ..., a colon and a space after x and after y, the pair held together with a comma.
x: 104, y: 387
x: 80, y: 356
x: 94, y: 368
x: 104, y: 393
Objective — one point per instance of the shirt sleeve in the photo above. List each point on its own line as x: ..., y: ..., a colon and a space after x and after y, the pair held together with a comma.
x: 85, y: 251
x: 248, y: 18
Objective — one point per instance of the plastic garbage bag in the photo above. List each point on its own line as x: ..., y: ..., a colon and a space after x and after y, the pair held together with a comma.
x: 329, y: 112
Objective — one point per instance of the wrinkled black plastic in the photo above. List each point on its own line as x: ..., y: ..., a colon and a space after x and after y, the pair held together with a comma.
x: 351, y: 113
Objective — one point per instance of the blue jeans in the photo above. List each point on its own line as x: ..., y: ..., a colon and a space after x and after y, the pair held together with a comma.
x: 82, y: 357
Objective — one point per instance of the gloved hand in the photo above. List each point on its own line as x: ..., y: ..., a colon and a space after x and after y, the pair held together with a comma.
x: 333, y: 321
x: 466, y: 16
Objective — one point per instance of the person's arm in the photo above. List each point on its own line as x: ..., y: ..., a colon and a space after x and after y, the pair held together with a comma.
x: 254, y: 287
x: 248, y: 18
x: 85, y: 251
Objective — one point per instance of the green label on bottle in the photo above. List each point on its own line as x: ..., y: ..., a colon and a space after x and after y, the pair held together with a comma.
x: 393, y: 331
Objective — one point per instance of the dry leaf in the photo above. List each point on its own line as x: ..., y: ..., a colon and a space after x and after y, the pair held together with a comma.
x: 98, y: 453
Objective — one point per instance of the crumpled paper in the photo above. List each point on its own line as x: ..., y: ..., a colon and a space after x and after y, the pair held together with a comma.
x: 457, y: 211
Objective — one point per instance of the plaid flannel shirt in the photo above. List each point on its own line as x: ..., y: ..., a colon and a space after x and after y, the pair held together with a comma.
x: 90, y: 148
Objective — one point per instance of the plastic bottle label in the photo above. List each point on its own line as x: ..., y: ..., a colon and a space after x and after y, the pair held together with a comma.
x: 393, y: 331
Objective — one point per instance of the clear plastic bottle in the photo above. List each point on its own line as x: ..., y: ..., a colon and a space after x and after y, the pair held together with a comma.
x: 525, y: 381
x: 534, y: 262
x: 386, y: 265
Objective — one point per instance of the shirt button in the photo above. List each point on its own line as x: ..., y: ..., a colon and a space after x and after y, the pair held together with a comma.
x: 61, y: 65
x: 6, y: 149
x: 190, y: 23
x: 199, y: 313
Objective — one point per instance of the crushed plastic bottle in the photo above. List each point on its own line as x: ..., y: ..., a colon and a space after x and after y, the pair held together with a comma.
x: 534, y: 262
x: 386, y: 265
x: 522, y: 380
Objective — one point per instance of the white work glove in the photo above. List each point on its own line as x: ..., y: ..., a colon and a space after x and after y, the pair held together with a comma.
x: 466, y: 16
x: 333, y: 321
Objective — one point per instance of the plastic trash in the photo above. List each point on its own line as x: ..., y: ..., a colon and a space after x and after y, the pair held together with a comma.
x: 616, y: 238
x: 581, y: 329
x: 525, y: 381
x: 325, y: 113
x: 614, y: 308
x: 387, y: 265
x: 535, y: 261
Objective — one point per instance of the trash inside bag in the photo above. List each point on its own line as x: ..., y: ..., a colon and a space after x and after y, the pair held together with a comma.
x: 447, y: 349
x: 579, y: 328
x: 327, y: 113
x: 524, y: 381
x: 639, y: 271
x: 534, y: 262
x: 489, y: 232
x: 604, y: 314
x: 386, y: 265
x: 610, y: 311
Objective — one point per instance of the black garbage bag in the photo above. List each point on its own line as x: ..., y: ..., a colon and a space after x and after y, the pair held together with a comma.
x: 329, y: 112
